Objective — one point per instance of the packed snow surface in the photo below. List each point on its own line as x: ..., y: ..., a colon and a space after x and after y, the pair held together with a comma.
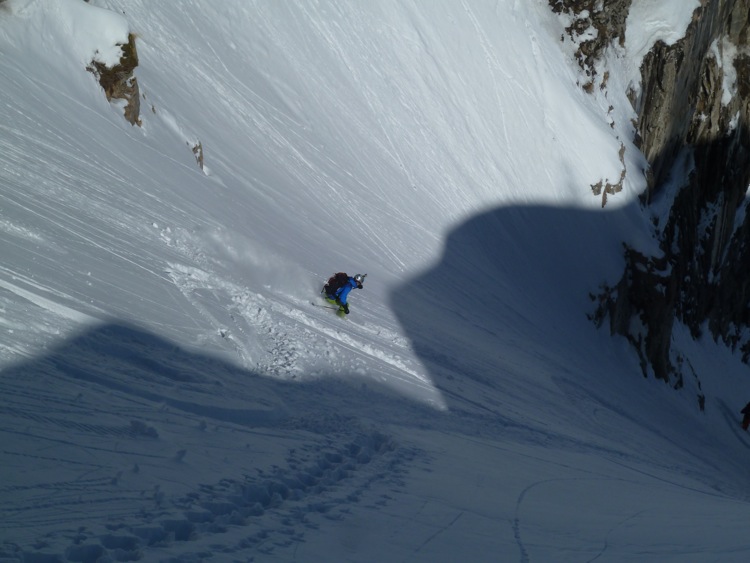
x: 172, y: 386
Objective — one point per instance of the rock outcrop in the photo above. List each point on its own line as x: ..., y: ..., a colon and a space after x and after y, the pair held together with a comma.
x: 693, y: 114
x: 693, y: 125
x: 118, y: 81
x: 593, y: 27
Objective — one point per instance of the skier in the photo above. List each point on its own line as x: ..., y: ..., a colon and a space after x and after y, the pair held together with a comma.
x: 746, y: 418
x: 338, y: 287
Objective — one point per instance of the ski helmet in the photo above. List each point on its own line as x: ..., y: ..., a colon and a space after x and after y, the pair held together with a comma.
x: 360, y: 279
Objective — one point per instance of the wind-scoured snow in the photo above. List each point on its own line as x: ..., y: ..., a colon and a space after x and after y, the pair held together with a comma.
x: 173, y: 387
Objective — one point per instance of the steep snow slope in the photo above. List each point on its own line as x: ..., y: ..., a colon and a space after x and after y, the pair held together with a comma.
x: 325, y: 149
x: 169, y: 388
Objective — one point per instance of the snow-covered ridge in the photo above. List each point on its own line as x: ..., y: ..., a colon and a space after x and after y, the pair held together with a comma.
x: 649, y: 22
x: 67, y: 30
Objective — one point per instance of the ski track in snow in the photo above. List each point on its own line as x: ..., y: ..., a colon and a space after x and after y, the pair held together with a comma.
x: 110, y: 443
x: 289, y: 337
x: 265, y: 510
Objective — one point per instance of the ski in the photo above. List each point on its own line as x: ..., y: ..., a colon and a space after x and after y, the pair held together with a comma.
x: 324, y: 306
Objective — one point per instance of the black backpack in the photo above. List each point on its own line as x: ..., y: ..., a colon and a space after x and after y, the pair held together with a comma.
x: 335, y: 282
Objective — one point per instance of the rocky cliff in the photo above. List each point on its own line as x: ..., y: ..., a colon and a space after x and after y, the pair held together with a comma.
x: 693, y: 129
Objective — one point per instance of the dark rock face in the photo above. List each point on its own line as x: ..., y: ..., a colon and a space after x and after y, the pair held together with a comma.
x: 607, y: 18
x: 681, y: 100
x: 692, y: 117
x: 118, y: 82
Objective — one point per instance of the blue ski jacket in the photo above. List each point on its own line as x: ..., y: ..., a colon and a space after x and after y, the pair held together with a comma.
x: 343, y: 292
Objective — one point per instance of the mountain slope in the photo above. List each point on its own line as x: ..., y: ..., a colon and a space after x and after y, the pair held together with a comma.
x: 171, y: 390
